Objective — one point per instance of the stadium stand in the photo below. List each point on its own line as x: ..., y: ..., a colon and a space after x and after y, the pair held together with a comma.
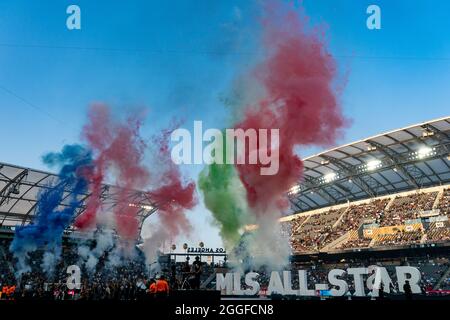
x: 400, y: 238
x: 403, y: 219
x: 444, y: 203
x: 316, y: 231
x: 356, y: 243
x: 407, y: 207
x: 438, y: 232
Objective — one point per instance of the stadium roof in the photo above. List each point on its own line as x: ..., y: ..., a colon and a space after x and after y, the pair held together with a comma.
x: 400, y: 160
x: 20, y: 187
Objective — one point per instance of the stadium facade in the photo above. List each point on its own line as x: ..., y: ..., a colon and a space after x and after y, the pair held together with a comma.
x: 384, y: 197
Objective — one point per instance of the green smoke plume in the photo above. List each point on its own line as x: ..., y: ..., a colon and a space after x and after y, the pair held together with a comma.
x: 225, y: 196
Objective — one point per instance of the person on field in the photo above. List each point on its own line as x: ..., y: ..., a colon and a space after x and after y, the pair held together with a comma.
x: 162, y: 287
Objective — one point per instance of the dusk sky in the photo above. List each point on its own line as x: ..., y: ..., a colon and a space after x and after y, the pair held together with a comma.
x: 178, y: 59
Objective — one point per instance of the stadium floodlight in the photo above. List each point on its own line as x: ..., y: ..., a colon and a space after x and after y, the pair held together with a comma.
x: 142, y: 206
x: 424, y: 152
x: 374, y: 164
x: 329, y: 177
x: 294, y: 190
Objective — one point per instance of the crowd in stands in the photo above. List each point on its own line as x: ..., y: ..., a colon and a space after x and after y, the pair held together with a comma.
x: 438, y: 234
x: 432, y: 271
x: 407, y: 208
x: 355, y: 243
x: 399, y: 238
x: 296, y: 223
x: 314, y: 231
x: 357, y: 214
x: 445, y: 285
x: 125, y: 280
x: 444, y: 203
x: 112, y: 278
x: 321, y: 229
x: 354, y: 217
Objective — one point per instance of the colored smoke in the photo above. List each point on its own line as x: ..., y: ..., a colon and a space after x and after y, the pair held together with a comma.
x: 50, y: 219
x: 297, y: 76
x: 224, y: 196
x: 119, y: 148
x: 173, y: 196
x: 291, y: 89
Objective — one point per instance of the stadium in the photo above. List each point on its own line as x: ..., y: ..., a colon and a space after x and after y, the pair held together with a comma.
x: 384, y: 200
x: 193, y: 159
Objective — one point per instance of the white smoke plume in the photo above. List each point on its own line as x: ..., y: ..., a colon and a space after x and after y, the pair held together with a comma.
x: 49, y: 261
x: 155, y: 235
x: 266, y: 246
x: 104, y: 243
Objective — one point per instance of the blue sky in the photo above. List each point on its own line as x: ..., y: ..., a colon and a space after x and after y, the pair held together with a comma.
x: 179, y: 57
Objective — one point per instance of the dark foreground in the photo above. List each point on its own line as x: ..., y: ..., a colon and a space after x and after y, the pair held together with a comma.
x: 209, y: 305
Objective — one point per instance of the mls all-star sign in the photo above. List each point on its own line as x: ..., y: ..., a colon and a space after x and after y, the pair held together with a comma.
x: 337, y: 285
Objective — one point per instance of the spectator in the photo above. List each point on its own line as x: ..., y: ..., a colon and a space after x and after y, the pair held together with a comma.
x: 162, y: 287
x: 407, y: 290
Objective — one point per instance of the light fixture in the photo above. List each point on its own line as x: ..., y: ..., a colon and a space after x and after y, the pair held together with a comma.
x: 424, y: 152
x: 142, y: 206
x: 374, y: 164
x: 294, y: 190
x: 329, y: 177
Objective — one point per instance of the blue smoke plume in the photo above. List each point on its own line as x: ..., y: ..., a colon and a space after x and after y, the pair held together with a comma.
x: 46, y: 230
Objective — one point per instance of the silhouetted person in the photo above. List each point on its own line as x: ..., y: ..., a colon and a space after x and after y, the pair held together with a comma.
x: 407, y: 290
x: 197, y: 271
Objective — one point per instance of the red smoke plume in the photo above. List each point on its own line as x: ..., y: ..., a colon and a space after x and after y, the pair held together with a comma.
x: 172, y: 197
x: 300, y: 101
x: 119, y: 147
